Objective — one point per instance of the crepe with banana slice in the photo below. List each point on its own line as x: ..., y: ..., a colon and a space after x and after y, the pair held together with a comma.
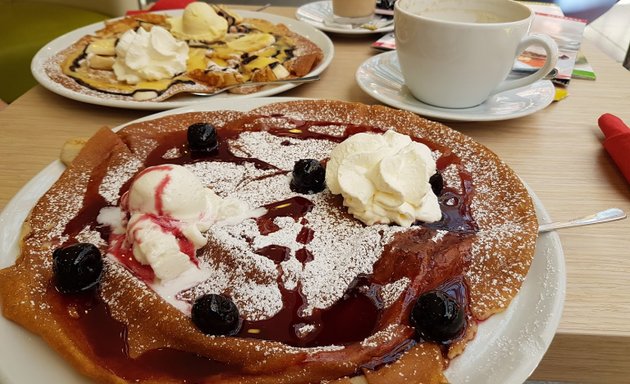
x: 114, y: 61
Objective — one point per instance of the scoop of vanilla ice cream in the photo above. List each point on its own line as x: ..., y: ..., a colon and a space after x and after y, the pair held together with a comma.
x: 169, y: 190
x: 168, y: 203
x: 199, y: 22
x: 149, y: 55
x: 156, y: 247
x: 384, y: 178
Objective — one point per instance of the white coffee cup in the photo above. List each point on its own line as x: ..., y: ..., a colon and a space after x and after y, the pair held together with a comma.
x: 456, y: 53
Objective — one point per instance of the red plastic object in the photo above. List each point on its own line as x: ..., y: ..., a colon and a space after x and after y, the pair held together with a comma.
x: 162, y: 5
x: 617, y: 141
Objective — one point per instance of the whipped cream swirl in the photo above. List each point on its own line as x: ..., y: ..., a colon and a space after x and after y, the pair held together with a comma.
x: 384, y: 179
x: 152, y: 55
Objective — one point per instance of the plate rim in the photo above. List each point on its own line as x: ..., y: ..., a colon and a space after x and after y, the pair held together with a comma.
x: 324, y: 27
x: 446, y: 114
x: 54, y: 46
x: 517, y: 373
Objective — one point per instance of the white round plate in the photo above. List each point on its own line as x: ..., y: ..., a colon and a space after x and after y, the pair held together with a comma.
x: 62, y: 42
x: 507, y: 348
x: 319, y: 15
x: 380, y: 77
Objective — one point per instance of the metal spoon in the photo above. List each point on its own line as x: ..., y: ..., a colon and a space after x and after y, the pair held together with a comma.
x: 252, y: 84
x: 262, y: 8
x: 611, y: 214
x: 259, y: 9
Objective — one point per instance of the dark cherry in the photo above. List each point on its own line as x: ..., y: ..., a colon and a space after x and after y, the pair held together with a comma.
x: 202, y: 138
x: 437, y: 183
x: 309, y: 176
x: 77, y: 267
x: 438, y: 317
x: 216, y: 315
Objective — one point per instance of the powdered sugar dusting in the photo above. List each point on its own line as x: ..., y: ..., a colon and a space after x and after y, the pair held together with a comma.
x: 281, y: 152
x: 87, y: 235
x: 451, y: 178
x: 501, y: 206
x: 392, y: 291
x: 172, y: 153
x: 249, y: 278
x: 115, y: 178
x: 342, y: 247
x: 380, y: 337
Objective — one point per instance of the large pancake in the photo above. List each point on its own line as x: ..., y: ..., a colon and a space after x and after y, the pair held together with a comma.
x: 489, y: 258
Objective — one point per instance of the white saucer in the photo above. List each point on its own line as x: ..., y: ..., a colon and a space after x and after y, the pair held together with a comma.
x: 319, y: 15
x: 381, y: 78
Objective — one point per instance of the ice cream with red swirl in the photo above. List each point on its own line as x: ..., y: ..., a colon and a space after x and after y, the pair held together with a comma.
x: 162, y: 219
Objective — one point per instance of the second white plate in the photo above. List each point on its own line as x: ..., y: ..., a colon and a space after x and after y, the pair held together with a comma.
x: 39, y: 61
x: 381, y: 78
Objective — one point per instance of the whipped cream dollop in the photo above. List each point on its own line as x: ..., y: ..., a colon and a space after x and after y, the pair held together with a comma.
x: 149, y: 55
x: 199, y: 21
x: 168, y: 209
x: 384, y: 178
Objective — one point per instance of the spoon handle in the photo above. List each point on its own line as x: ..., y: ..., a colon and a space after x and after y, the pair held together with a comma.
x: 252, y: 84
x: 262, y: 8
x: 605, y: 216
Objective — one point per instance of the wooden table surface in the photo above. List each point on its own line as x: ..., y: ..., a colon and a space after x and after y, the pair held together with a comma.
x: 557, y: 151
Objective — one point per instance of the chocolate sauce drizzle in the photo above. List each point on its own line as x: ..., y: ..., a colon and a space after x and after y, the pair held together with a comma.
x: 355, y: 317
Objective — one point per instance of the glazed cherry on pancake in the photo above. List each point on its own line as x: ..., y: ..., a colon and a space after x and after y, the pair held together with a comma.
x: 77, y: 267
x: 216, y: 315
x: 202, y: 138
x: 437, y: 183
x: 309, y: 177
x: 438, y: 317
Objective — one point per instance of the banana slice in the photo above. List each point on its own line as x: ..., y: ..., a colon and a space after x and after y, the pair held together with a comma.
x: 259, y: 63
x: 144, y: 95
x: 101, y: 62
x: 103, y: 47
x: 280, y: 71
x: 252, y: 42
x: 71, y: 149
